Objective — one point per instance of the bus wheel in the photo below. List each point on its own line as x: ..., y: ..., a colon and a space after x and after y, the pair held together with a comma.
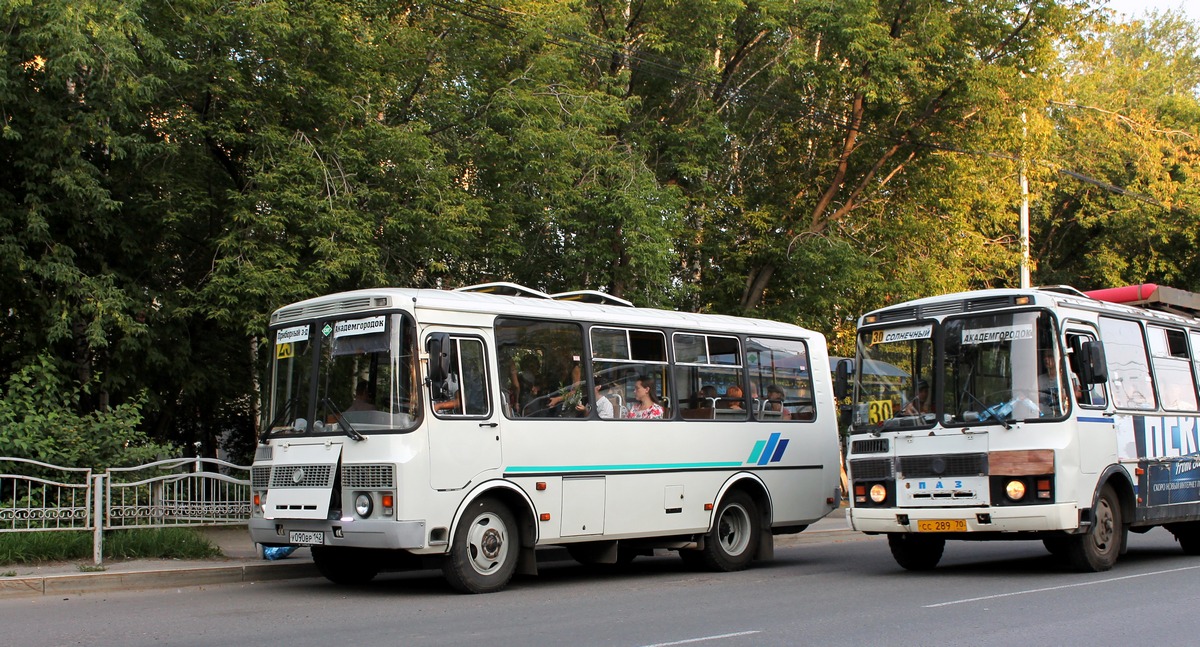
x: 915, y: 552
x: 733, y: 540
x: 1097, y: 549
x: 1188, y: 536
x: 344, y: 565
x: 483, y: 555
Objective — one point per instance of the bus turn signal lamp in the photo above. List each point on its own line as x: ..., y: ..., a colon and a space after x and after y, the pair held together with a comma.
x: 1015, y: 490
x: 387, y: 501
x: 878, y: 493
x: 1043, y: 488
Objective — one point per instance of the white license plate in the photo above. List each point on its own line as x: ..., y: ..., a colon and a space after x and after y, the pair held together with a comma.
x: 306, y: 538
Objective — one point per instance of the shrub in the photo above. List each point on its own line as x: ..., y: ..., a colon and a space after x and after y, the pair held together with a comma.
x: 39, y: 420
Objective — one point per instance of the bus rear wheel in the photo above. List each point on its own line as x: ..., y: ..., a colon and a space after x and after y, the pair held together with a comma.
x: 733, y: 541
x: 345, y: 566
x: 483, y: 555
x: 1097, y: 549
x: 916, y: 552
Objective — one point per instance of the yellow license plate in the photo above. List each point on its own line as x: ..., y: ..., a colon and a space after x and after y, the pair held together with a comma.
x: 942, y: 525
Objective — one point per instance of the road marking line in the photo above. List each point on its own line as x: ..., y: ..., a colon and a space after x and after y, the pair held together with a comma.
x: 1056, y: 588
x: 700, y: 640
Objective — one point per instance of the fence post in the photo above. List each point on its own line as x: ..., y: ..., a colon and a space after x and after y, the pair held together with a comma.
x: 98, y: 520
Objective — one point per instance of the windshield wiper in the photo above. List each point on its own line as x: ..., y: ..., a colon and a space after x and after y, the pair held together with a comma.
x: 342, y: 422
x: 287, y: 408
x: 988, y: 411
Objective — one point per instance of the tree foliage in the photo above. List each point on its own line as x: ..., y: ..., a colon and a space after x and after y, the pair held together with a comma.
x: 39, y: 420
x: 170, y: 172
x: 1126, y: 204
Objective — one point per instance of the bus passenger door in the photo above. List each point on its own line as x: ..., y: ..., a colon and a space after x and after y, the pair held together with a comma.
x: 464, y: 428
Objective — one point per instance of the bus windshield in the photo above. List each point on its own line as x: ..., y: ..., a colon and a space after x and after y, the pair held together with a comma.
x: 364, y: 381
x: 994, y: 369
x: 1003, y: 367
x: 893, y: 380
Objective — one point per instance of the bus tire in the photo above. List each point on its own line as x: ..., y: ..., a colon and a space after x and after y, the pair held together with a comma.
x: 345, y: 566
x: 733, y: 540
x: 483, y: 555
x: 1188, y: 536
x: 916, y: 552
x: 1097, y: 549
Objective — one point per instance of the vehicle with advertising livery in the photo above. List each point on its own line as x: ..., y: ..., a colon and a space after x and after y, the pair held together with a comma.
x: 465, y: 429
x: 1046, y: 414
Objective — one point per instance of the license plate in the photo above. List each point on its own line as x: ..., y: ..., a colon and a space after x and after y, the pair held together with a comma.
x: 306, y: 538
x: 942, y: 525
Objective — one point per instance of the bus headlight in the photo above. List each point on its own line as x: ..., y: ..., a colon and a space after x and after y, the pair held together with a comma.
x: 1015, y: 490
x: 878, y: 493
x: 363, y: 505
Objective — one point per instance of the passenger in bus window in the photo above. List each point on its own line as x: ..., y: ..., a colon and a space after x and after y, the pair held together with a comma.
x: 604, y: 407
x: 734, y: 398
x: 923, y: 403
x: 647, y: 406
x: 774, y: 402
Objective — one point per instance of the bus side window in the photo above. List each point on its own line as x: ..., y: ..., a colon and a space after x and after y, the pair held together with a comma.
x: 1172, y: 368
x: 1086, y: 396
x: 464, y: 391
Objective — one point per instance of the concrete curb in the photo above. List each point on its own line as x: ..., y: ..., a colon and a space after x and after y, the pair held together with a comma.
x: 76, y: 584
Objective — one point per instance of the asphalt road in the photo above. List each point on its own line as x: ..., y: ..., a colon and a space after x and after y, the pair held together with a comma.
x: 840, y: 589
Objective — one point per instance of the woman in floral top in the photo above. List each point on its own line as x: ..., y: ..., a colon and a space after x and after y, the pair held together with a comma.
x: 647, y: 406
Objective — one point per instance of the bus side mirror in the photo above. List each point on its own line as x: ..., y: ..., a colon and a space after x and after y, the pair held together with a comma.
x: 841, y: 379
x: 439, y: 359
x: 1093, y: 367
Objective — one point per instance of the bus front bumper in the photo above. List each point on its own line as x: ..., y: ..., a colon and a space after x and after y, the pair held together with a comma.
x: 357, y: 534
x: 1060, y: 516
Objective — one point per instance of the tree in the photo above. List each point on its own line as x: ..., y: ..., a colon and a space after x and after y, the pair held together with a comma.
x: 1125, y: 207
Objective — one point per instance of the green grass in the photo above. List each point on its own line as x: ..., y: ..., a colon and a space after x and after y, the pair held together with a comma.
x: 71, y: 545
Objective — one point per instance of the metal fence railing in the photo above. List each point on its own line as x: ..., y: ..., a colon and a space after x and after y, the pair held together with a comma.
x: 40, y: 497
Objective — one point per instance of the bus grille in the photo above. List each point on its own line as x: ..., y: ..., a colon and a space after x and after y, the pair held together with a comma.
x: 871, y: 446
x: 368, y: 476
x: 260, y: 477
x: 302, y: 476
x: 871, y: 468
x: 954, y: 465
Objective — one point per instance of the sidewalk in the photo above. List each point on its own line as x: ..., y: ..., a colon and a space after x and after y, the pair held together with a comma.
x: 243, y: 563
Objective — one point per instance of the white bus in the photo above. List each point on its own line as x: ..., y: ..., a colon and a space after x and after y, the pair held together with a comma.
x: 1044, y: 414
x: 468, y: 428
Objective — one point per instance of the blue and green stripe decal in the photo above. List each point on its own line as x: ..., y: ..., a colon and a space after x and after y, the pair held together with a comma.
x: 631, y: 467
x: 768, y: 451
x: 765, y: 451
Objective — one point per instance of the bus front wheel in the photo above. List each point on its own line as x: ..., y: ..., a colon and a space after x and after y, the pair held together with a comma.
x: 1097, y: 549
x: 733, y: 540
x: 916, y: 552
x: 483, y: 555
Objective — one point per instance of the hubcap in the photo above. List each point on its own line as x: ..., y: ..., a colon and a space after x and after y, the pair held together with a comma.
x: 733, y: 530
x: 487, y: 544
